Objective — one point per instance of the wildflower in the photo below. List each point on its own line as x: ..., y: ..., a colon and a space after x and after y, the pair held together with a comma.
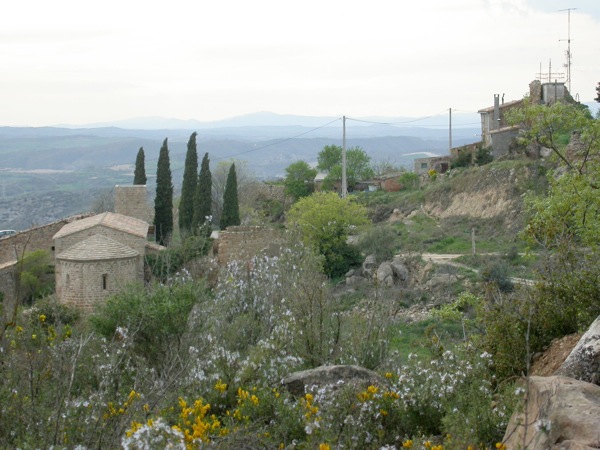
x: 500, y: 446
x: 388, y: 375
x: 254, y: 399
x: 19, y: 329
x: 324, y: 446
x: 42, y: 318
x: 220, y: 386
x: 407, y: 444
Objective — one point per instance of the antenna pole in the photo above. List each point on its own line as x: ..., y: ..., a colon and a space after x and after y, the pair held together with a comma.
x: 344, y: 181
x: 568, y: 65
x: 449, y: 130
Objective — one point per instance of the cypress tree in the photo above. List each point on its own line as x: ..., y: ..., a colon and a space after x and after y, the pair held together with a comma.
x: 163, y: 201
x: 231, y: 209
x: 139, y: 176
x: 203, y: 199
x: 188, y: 187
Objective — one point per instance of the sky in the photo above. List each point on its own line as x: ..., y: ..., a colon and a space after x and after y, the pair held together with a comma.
x: 80, y: 62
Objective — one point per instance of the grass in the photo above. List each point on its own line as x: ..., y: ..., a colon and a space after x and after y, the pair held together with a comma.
x: 413, y: 337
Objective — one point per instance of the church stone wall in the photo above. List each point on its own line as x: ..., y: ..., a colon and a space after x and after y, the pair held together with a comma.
x: 132, y: 201
x: 38, y: 238
x: 84, y: 284
x: 137, y: 243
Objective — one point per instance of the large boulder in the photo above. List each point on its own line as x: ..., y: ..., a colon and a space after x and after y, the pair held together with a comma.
x: 559, y: 413
x: 369, y: 265
x: 583, y: 363
x: 298, y: 382
x: 400, y: 270
x: 440, y: 281
x: 385, y: 274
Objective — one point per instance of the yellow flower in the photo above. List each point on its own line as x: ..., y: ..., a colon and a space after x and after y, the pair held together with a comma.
x: 383, y: 412
x: 42, y: 318
x: 372, y: 389
x: 427, y: 444
x: 324, y: 446
x: 19, y: 329
x: 389, y: 375
x: 254, y: 399
x: 309, y: 398
x: 407, y: 444
x: 500, y: 446
x: 220, y: 386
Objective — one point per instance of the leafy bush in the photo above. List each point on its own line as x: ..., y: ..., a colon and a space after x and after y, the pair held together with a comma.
x: 483, y: 156
x: 381, y: 241
x: 169, y: 261
x: 156, y: 319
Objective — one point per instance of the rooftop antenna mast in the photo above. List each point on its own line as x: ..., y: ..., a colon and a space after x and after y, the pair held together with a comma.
x: 568, y: 64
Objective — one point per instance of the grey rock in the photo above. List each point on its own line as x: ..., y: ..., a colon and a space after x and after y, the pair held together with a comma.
x: 297, y: 382
x: 385, y: 274
x: 561, y: 413
x: 583, y: 363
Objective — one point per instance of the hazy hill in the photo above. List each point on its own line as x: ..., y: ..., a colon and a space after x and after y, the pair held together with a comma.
x: 92, y: 160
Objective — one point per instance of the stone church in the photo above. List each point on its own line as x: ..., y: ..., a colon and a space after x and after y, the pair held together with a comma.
x: 98, y: 256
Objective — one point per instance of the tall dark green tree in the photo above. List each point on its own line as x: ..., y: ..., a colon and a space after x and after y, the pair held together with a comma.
x: 163, y: 201
x: 231, y: 209
x: 188, y: 187
x: 203, y: 198
x: 139, y: 175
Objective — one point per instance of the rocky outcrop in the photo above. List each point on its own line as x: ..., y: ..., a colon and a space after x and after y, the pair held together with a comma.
x: 298, y: 382
x: 388, y: 273
x: 583, y: 363
x: 559, y: 413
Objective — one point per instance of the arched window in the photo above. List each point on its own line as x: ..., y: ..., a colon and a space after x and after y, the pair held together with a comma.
x: 105, y: 281
x: 68, y: 281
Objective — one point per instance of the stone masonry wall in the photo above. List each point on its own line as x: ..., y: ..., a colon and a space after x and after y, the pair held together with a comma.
x: 7, y: 287
x: 243, y: 243
x: 81, y: 282
x: 135, y: 242
x: 132, y: 201
x: 38, y: 238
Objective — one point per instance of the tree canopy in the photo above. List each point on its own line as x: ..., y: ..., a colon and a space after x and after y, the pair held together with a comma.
x: 324, y: 221
x: 188, y: 187
x: 231, y: 209
x: 163, y: 201
x: 299, y: 179
x: 139, y: 175
x: 358, y: 165
x: 203, y: 197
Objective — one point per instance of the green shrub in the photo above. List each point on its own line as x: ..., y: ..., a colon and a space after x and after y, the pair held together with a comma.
x: 156, y: 319
x: 381, y: 241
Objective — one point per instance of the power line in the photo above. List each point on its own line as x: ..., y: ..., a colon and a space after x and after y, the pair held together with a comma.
x: 278, y: 142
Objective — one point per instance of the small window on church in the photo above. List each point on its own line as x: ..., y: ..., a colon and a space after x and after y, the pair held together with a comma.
x: 68, y: 281
x: 105, y: 281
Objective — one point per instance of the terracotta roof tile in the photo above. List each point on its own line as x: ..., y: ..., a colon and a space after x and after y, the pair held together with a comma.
x: 97, y: 247
x: 116, y: 221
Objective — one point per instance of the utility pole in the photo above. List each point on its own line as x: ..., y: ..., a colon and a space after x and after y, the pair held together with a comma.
x: 450, y: 130
x: 568, y: 64
x: 344, y: 181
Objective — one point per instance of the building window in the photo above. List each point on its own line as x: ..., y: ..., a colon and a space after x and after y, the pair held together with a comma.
x: 105, y: 281
x: 68, y: 281
x: 423, y: 165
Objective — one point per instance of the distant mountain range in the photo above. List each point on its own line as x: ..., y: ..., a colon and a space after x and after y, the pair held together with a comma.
x: 269, y: 119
